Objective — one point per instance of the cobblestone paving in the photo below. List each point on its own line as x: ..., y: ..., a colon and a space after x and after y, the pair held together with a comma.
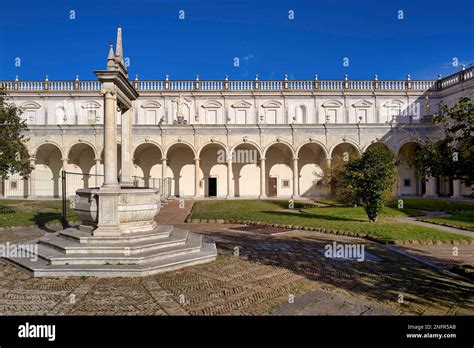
x: 254, y: 274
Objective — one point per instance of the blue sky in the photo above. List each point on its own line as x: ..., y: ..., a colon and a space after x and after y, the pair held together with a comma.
x: 424, y: 43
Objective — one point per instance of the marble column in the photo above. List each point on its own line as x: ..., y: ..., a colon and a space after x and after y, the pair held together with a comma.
x: 431, y: 188
x: 64, y: 168
x: 262, y: 179
x: 229, y: 177
x: 126, y: 134
x: 110, y: 137
x: 65, y: 160
x: 97, y: 172
x: 163, y: 177
x: 32, y: 179
x: 295, y: 178
x: 197, y: 179
x: 457, y: 189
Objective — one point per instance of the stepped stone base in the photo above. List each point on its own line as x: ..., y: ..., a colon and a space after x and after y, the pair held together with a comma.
x: 73, y: 252
x: 133, y: 246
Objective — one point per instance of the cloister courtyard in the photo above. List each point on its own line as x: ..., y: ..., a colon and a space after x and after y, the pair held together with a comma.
x: 271, y: 260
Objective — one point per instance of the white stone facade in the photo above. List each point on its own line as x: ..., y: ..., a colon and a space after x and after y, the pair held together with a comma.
x: 284, y: 131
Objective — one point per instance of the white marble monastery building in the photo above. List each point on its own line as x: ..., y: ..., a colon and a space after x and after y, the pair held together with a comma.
x: 229, y: 138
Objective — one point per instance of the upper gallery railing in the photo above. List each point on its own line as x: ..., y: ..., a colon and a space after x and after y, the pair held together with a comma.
x: 249, y: 85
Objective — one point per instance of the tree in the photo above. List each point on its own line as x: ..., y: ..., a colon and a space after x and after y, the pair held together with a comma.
x: 370, y: 178
x: 453, y: 157
x: 13, y: 154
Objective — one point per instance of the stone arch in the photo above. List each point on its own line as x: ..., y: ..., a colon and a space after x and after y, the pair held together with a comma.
x: 217, y: 142
x: 183, y: 142
x: 91, y: 145
x: 152, y: 142
x: 278, y: 170
x: 59, y: 147
x: 279, y: 141
x: 350, y: 144
x: 250, y: 142
x: 378, y: 144
x: 48, y: 168
x: 147, y: 163
x: 312, y: 163
x: 246, y: 169
x: 409, y: 183
x: 81, y: 161
x: 213, y: 167
x: 181, y: 168
x: 326, y: 152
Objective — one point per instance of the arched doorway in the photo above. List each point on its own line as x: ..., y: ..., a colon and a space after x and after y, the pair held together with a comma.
x: 213, y: 171
x: 278, y: 170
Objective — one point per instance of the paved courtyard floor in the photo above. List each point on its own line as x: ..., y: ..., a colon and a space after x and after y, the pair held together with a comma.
x: 254, y: 274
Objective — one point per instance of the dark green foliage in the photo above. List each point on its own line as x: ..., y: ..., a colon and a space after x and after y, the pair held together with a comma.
x: 453, y: 157
x: 13, y: 154
x: 370, y: 178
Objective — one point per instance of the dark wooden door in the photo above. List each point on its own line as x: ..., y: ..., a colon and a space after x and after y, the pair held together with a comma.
x: 212, y: 187
x: 272, y: 187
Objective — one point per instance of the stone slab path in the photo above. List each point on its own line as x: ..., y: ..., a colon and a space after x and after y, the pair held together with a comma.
x: 254, y: 274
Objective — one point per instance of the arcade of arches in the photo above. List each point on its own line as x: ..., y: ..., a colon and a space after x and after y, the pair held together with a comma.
x: 245, y: 170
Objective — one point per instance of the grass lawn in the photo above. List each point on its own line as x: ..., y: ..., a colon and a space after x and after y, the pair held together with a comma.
x: 432, y: 205
x: 347, y: 219
x: 463, y: 220
x: 31, y: 213
x: 462, y: 213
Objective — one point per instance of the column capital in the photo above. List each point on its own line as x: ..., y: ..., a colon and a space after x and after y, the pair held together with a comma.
x: 97, y: 159
x: 197, y: 159
x: 108, y: 89
x: 164, y: 159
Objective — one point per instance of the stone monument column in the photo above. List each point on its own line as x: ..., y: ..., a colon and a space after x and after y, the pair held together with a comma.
x: 126, y: 132
x: 110, y: 135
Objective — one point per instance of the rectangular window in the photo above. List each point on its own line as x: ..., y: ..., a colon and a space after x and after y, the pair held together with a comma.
x: 361, y: 115
x: 331, y: 115
x: 13, y: 185
x: 91, y: 116
x: 150, y: 117
x: 271, y: 116
x: 211, y: 116
x: 407, y: 183
x: 30, y: 116
x: 285, y: 183
x: 241, y: 117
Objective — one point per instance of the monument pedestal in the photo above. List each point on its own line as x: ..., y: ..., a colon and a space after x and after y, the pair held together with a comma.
x: 127, y: 243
